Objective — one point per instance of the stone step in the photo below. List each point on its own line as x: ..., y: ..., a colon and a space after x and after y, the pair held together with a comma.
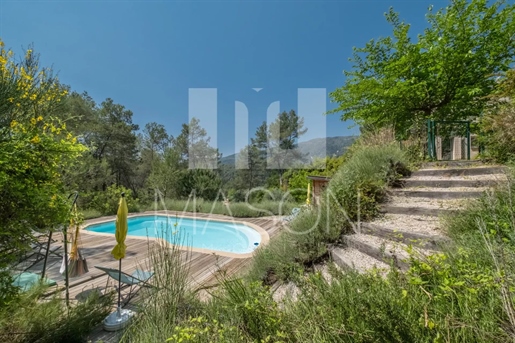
x: 353, y: 259
x: 422, y: 205
x: 436, y: 194
x: 392, y: 253
x: 424, y: 225
x: 405, y: 183
x: 415, y: 210
x: 447, y: 164
x: 432, y: 242
x: 459, y: 171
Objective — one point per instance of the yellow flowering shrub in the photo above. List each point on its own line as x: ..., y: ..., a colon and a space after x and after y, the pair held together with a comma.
x: 35, y: 151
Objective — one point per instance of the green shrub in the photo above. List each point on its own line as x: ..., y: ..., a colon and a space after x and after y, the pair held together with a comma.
x: 364, y: 176
x: 444, y: 298
x: 29, y: 318
x: 496, y: 210
x: 107, y: 202
x: 91, y: 213
x: 498, y: 123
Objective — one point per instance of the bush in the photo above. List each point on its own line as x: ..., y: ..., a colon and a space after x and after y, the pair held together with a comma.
x: 495, y: 212
x: 498, y: 124
x: 444, y: 298
x: 365, y: 175
x: 30, y: 318
x: 107, y: 202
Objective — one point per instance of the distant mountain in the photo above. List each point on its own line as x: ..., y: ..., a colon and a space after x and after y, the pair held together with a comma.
x: 314, y: 148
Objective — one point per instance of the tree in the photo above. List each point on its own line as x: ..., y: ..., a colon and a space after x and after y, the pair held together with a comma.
x: 283, y: 135
x: 151, y: 145
x: 165, y: 172
x: 193, y: 146
x: 250, y: 168
x: 114, y: 139
x: 155, y: 139
x: 204, y: 183
x: 35, y: 149
x: 444, y: 75
x: 80, y: 114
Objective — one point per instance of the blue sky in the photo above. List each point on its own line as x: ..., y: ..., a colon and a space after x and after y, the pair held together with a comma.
x: 147, y: 54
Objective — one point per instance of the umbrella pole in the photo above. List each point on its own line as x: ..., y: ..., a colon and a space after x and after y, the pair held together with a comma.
x: 119, y: 286
x: 66, y: 279
x: 65, y: 232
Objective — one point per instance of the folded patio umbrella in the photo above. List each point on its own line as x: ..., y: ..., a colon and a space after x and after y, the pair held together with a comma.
x: 118, y: 319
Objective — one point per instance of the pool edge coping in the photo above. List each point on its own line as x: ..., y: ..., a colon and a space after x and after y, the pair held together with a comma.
x: 265, y: 237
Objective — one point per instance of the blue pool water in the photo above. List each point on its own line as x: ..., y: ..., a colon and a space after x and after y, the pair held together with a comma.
x: 197, y: 233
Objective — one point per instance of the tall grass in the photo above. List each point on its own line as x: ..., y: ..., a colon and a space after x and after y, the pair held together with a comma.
x: 168, y: 300
x: 31, y: 318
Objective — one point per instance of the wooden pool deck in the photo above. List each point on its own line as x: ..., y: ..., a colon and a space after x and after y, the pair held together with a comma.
x: 203, y: 266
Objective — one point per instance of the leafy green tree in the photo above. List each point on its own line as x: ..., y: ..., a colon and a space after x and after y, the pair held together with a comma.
x: 443, y: 74
x: 89, y: 174
x: 250, y: 168
x: 165, y: 172
x: 196, y: 158
x: 109, y: 133
x: 155, y: 139
x: 202, y: 183
x: 107, y: 202
x: 193, y: 146
x: 35, y: 149
x: 283, y: 135
x: 117, y: 141
x: 151, y: 145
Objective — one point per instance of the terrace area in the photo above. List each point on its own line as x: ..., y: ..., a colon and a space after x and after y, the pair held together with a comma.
x: 203, y: 267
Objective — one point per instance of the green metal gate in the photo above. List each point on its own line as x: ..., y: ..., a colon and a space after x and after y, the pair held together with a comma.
x: 448, y: 139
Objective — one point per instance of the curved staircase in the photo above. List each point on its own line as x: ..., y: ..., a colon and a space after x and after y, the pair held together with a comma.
x: 412, y: 215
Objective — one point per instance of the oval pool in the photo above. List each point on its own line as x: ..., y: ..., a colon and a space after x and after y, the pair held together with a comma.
x: 197, y: 233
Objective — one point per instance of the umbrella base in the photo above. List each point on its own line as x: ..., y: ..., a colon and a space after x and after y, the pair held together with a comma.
x: 118, y: 319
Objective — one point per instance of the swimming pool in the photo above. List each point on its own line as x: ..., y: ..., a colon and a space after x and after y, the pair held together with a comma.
x: 209, y: 234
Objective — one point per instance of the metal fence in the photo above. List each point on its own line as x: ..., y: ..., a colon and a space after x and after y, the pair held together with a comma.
x: 449, y: 140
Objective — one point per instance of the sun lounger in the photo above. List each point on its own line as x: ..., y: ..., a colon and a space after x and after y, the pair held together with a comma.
x: 294, y: 212
x: 27, y: 280
x: 133, y: 282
